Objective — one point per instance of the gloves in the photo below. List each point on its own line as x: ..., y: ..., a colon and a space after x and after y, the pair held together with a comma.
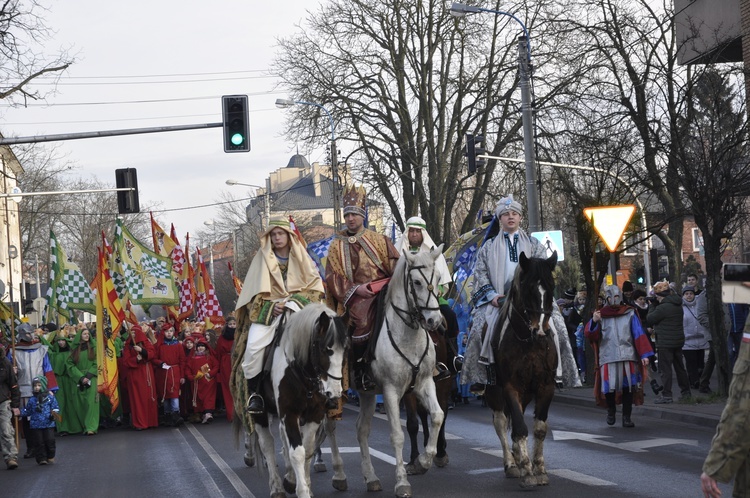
x: 51, y: 417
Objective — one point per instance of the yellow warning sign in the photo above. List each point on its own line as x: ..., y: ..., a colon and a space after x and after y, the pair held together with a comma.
x: 610, y: 222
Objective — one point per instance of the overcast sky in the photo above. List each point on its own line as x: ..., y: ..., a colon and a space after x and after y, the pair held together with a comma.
x: 157, y: 51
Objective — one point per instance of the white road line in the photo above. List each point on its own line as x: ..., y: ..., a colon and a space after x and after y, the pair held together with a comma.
x: 373, y: 453
x: 580, y: 478
x: 382, y: 416
x: 233, y: 478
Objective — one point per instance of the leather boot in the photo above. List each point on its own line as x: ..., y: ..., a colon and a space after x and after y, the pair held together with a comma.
x: 627, y: 408
x: 176, y: 419
x: 255, y: 404
x: 611, y: 408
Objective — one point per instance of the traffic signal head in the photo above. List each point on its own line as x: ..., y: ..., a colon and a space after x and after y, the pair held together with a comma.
x: 127, y: 201
x: 236, y: 123
x: 473, y: 149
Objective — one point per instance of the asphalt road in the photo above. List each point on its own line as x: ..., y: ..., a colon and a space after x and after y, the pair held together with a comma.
x: 584, y: 456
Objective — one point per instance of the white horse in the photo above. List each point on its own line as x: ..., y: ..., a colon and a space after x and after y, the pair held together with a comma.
x: 306, y: 373
x: 404, y: 362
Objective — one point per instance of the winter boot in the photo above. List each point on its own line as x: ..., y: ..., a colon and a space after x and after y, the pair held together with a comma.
x: 255, y: 405
x: 627, y: 408
x: 175, y: 419
x: 611, y: 408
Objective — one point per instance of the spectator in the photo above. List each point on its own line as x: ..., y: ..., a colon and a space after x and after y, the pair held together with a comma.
x: 10, y: 404
x: 666, y: 318
x: 627, y: 292
x: 735, y: 315
x: 696, y: 337
x: 42, y: 410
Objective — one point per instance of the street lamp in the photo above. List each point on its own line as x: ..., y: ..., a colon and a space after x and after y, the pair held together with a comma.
x: 210, y: 223
x: 266, y: 200
x: 527, y: 116
x: 283, y: 104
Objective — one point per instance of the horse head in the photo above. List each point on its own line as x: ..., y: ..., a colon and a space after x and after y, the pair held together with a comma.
x: 420, y: 281
x: 535, y: 284
x: 329, y: 344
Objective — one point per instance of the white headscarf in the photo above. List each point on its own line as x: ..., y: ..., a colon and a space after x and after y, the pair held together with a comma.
x: 427, y: 244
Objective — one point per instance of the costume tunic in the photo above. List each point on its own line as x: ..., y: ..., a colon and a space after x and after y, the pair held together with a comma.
x: 84, y: 403
x: 141, y: 381
x: 67, y: 386
x: 355, y: 260
x: 223, y: 354
x: 204, y: 386
x: 171, y: 353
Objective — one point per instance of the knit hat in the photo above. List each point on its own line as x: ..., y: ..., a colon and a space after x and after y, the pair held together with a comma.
x: 42, y: 380
x: 507, y: 204
x: 570, y: 293
x: 662, y: 289
x: 688, y: 288
x: 627, y: 286
x: 49, y: 327
x: 637, y: 293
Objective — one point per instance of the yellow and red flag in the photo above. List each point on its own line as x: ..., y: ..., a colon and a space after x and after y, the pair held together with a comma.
x: 208, y: 307
x: 236, y: 281
x: 110, y: 316
x: 294, y: 228
x: 186, y: 284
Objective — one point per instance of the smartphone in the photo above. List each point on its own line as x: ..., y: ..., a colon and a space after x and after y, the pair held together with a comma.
x: 736, y: 272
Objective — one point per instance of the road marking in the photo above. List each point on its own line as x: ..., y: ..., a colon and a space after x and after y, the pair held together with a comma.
x: 382, y: 416
x: 580, y: 478
x: 632, y: 446
x: 373, y: 453
x: 220, y: 463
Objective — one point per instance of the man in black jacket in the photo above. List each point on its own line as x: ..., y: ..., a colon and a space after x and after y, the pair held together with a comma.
x: 10, y: 404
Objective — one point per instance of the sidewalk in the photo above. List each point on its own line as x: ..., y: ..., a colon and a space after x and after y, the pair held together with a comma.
x: 704, y: 414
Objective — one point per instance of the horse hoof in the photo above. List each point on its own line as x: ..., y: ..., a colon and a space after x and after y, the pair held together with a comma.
x: 319, y: 467
x: 374, y: 486
x: 289, y: 486
x: 512, y: 473
x: 416, y: 469
x: 542, y: 479
x: 403, y: 491
x: 528, y: 481
x: 441, y: 461
x: 249, y: 461
x: 340, y: 485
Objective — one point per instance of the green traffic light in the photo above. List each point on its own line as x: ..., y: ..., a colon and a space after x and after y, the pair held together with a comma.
x: 237, y: 139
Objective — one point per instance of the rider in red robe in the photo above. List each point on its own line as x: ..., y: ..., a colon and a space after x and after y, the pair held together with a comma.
x: 137, y: 355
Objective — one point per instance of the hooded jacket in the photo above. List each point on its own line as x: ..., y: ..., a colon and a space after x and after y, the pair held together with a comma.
x: 666, y: 318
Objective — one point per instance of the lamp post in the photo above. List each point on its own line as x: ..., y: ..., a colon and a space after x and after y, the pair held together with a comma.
x: 210, y: 223
x: 283, y: 104
x: 527, y: 116
x: 266, y: 200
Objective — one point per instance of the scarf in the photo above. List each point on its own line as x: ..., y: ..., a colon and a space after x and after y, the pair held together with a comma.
x: 612, y: 311
x: 228, y: 333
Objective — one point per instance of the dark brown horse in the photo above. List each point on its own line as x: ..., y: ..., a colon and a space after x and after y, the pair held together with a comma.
x: 526, y: 360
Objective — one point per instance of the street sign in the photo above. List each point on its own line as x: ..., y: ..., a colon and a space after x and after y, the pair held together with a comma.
x: 610, y: 222
x: 551, y: 241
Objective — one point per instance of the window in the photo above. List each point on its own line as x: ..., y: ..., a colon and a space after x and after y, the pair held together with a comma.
x: 697, y: 240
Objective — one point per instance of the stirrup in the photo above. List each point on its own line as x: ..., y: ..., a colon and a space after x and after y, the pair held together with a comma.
x: 443, y: 372
x: 364, y: 382
x: 255, y: 404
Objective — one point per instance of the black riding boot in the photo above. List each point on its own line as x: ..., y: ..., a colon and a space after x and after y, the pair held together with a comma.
x: 255, y: 401
x: 362, y: 378
x: 627, y: 408
x: 611, y: 408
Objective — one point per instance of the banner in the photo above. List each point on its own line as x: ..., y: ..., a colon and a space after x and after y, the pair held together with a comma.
x: 68, y: 289
x: 208, y: 306
x: 145, y: 276
x: 109, y: 319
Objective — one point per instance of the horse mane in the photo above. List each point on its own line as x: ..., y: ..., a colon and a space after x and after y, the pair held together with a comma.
x: 300, y: 327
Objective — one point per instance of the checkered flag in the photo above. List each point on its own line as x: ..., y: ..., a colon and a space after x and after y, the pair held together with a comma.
x: 318, y: 252
x: 68, y: 289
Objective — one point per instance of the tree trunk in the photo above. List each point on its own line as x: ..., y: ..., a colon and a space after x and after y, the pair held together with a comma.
x: 716, y: 312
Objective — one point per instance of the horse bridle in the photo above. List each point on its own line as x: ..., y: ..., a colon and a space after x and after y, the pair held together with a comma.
x: 316, y: 380
x: 412, y: 316
x: 524, y: 316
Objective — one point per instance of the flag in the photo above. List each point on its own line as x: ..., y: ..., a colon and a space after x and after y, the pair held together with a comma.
x: 318, y: 251
x: 207, y: 304
x: 295, y: 229
x: 167, y: 245
x: 237, y: 282
x: 187, y: 285
x: 68, y: 289
x: 461, y: 257
x: 147, y: 276
x: 110, y: 316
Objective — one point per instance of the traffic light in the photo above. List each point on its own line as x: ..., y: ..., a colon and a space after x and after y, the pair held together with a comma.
x: 473, y: 149
x: 236, y: 123
x: 640, y: 275
x: 127, y: 201
x: 28, y: 306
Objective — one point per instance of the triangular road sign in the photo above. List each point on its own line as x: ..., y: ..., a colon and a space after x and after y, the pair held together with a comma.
x: 610, y: 222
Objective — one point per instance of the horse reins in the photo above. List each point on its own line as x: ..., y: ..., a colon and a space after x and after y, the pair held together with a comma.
x: 301, y: 372
x: 414, y: 313
x: 414, y: 368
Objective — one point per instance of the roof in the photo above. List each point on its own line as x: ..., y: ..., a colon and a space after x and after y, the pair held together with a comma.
x: 298, y: 161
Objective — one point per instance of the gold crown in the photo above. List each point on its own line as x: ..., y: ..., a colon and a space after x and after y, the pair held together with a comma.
x: 354, y: 200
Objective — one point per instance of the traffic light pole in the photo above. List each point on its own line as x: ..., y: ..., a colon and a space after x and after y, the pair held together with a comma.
x: 106, y: 133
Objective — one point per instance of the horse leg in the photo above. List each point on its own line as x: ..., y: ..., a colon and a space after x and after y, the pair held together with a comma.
x: 298, y: 458
x: 390, y: 401
x: 500, y: 421
x: 427, y: 397
x: 364, y: 422
x: 541, y: 427
x: 444, y: 393
x: 318, y: 464
x: 339, y: 477
x: 249, y: 449
x: 412, y: 427
x: 520, y: 434
x: 290, y: 479
x: 268, y: 450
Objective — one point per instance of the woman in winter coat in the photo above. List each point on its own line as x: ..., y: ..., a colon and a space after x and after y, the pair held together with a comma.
x: 696, y: 337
